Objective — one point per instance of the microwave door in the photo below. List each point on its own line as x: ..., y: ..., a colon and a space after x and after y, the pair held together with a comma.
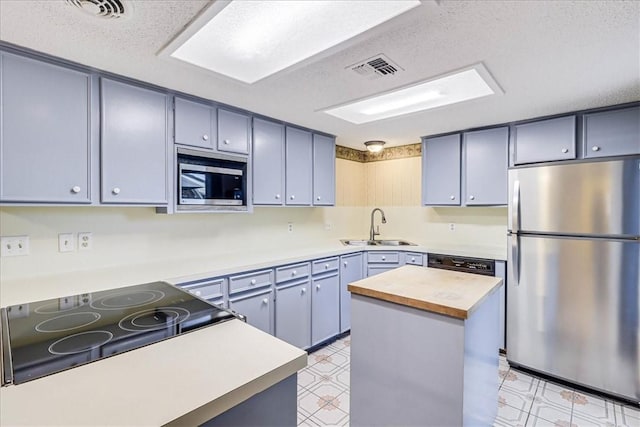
x: 207, y: 185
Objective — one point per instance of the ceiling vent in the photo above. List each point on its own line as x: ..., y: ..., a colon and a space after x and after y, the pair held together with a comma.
x: 108, y: 9
x: 375, y: 67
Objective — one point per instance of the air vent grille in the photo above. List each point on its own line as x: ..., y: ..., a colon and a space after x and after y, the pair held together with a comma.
x: 107, y: 9
x: 375, y: 67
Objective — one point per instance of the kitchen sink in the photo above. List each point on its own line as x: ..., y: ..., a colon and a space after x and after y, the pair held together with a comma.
x: 385, y: 242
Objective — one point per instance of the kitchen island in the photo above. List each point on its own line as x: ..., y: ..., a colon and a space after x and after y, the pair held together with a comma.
x: 424, y: 348
x: 217, y: 375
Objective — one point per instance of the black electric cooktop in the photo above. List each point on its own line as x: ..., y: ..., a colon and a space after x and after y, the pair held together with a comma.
x: 44, y: 337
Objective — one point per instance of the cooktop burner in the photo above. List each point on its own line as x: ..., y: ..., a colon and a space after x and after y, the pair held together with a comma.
x: 49, y: 336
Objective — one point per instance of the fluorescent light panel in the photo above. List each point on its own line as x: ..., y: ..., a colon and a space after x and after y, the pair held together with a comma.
x: 471, y: 83
x: 250, y: 40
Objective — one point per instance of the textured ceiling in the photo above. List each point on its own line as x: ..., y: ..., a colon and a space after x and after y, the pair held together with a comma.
x: 548, y: 56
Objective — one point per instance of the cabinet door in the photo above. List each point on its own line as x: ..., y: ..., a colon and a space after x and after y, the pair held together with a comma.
x: 486, y: 155
x: 234, y: 131
x: 441, y: 170
x: 325, y: 308
x: 133, y: 144
x: 258, y: 308
x: 324, y: 171
x: 299, y: 163
x: 351, y: 270
x: 293, y: 314
x: 546, y: 140
x: 612, y: 133
x: 268, y: 163
x: 195, y: 124
x: 44, y: 137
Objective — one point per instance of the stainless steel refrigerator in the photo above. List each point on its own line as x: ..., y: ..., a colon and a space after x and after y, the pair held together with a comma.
x: 574, y: 273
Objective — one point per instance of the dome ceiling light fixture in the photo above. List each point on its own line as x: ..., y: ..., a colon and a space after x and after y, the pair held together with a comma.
x: 374, y: 146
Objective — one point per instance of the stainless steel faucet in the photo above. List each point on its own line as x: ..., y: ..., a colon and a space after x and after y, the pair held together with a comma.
x: 372, y: 231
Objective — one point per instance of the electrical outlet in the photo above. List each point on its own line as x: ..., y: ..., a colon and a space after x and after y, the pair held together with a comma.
x: 66, y: 242
x: 18, y: 311
x: 452, y: 226
x: 290, y: 227
x: 14, y: 246
x: 328, y: 225
x: 67, y: 303
x: 85, y: 241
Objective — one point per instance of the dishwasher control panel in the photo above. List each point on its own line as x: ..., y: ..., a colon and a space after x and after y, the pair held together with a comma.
x: 485, y: 267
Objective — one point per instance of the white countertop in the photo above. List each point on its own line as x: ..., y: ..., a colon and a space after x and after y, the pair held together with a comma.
x: 181, y: 270
x: 185, y: 380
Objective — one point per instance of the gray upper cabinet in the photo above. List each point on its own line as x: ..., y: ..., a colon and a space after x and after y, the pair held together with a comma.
x: 441, y: 170
x: 546, y: 140
x: 486, y: 160
x: 195, y: 124
x: 44, y: 133
x: 133, y: 144
x: 612, y: 133
x: 299, y: 161
x: 268, y: 163
x: 324, y: 170
x: 234, y: 131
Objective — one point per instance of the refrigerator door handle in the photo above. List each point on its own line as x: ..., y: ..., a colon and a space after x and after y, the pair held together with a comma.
x: 515, y: 258
x: 515, y: 207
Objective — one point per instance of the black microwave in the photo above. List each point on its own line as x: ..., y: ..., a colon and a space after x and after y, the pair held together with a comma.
x: 211, y: 180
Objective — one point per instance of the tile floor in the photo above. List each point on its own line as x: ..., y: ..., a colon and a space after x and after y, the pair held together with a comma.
x: 523, y: 400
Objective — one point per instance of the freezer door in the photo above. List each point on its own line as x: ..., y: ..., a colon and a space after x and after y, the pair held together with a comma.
x: 573, y: 312
x: 599, y: 198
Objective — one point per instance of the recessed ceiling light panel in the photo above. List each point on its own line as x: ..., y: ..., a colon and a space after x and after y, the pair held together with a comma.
x: 469, y: 83
x: 250, y: 40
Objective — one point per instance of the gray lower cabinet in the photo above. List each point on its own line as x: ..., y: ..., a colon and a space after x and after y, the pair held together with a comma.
x: 414, y: 258
x: 351, y: 270
x: 486, y: 162
x: 133, y: 144
x: 441, y: 157
x: 45, y: 134
x: 234, y: 131
x: 268, y: 163
x: 545, y: 140
x: 257, y: 307
x: 381, y: 261
x: 195, y: 124
x: 293, y: 314
x: 611, y: 133
x: 324, y: 170
x: 325, y: 302
x: 298, y: 167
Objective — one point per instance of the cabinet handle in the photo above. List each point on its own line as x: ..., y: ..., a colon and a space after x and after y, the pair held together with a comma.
x: 75, y: 189
x: 116, y: 191
x: 318, y: 287
x: 318, y: 198
x: 253, y: 281
x: 346, y: 263
x: 472, y: 197
x: 277, y: 196
x: 565, y: 150
x: 294, y: 272
x: 198, y: 293
x: 452, y: 197
x: 384, y: 257
x: 413, y: 260
x: 595, y: 148
x: 205, y: 137
x: 227, y: 142
x: 292, y: 197
x: 265, y: 301
x: 326, y: 266
x: 303, y: 290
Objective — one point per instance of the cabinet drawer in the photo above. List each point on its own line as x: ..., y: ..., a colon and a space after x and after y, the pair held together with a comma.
x: 255, y: 280
x: 384, y: 257
x: 413, y: 258
x: 291, y: 272
x: 324, y: 265
x: 209, y: 289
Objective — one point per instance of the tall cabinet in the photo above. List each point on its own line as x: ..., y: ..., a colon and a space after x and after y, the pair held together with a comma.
x: 298, y: 170
x: 45, y: 129
x: 268, y: 162
x: 324, y: 170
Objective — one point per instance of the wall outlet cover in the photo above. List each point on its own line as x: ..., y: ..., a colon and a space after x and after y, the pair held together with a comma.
x: 85, y: 241
x: 66, y: 242
x: 14, y: 246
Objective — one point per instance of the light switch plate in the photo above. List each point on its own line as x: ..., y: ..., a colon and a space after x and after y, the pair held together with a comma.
x: 66, y: 242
